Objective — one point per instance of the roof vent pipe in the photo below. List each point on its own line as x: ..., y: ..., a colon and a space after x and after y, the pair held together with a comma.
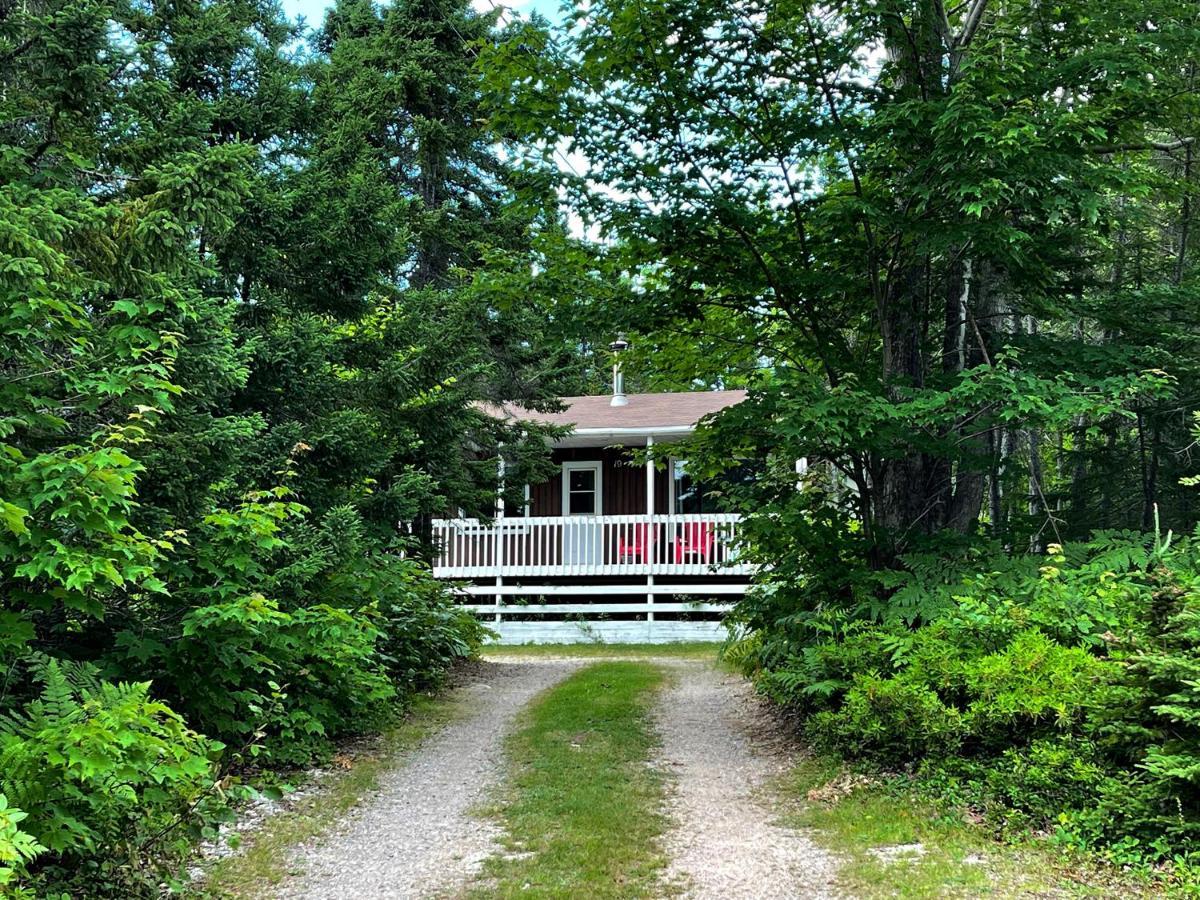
x: 618, y: 390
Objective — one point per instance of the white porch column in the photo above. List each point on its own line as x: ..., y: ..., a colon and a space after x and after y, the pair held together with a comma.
x: 651, y: 540
x: 498, y: 529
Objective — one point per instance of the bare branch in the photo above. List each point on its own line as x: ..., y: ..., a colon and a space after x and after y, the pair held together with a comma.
x: 1131, y: 146
x: 970, y: 24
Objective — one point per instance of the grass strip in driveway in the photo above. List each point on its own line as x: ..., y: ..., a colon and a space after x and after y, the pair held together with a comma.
x: 582, y: 807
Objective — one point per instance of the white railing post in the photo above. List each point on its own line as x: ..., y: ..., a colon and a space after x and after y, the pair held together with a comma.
x: 498, y: 532
x: 649, y: 532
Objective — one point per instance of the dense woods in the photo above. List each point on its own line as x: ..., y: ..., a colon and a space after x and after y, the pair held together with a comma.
x: 950, y: 248
x: 242, y: 340
x: 255, y: 281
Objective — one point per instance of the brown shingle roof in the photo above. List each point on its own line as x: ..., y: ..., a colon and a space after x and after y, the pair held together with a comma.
x: 664, y: 410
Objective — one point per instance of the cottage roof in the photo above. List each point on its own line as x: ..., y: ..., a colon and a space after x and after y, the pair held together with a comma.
x: 643, y: 414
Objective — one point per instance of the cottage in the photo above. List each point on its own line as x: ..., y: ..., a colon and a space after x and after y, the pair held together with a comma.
x: 608, y: 549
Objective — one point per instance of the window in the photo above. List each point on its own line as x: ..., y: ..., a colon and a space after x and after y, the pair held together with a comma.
x: 581, y: 488
x: 688, y: 496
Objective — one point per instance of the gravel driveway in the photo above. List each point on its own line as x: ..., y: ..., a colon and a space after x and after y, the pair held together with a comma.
x: 416, y: 837
x: 726, y: 844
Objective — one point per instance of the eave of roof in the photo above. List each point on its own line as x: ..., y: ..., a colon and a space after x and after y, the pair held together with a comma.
x: 595, y: 420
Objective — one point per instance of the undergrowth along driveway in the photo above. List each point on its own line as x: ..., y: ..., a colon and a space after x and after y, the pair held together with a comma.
x: 582, y: 807
x: 894, y: 843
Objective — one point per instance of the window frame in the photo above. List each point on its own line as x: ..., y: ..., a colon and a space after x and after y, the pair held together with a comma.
x: 595, y: 465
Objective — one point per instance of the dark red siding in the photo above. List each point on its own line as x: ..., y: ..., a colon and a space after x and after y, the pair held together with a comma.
x: 624, y: 483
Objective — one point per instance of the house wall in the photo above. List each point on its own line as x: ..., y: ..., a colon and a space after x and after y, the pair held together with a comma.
x: 624, y: 483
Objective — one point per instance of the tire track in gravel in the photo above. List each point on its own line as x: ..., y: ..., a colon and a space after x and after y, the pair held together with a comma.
x: 416, y: 835
x: 726, y: 843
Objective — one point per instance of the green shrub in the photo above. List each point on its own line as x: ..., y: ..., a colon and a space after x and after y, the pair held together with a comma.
x: 891, y: 719
x: 424, y: 631
x: 359, y: 629
x: 1159, y: 731
x: 1056, y: 692
x: 1026, y: 787
x: 114, y: 783
x: 17, y: 848
x: 822, y: 673
x: 253, y: 675
x: 1032, y: 682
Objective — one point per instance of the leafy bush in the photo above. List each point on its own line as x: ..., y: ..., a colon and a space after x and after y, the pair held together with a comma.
x: 240, y: 666
x: 1033, y: 681
x: 892, y: 719
x: 16, y: 846
x: 256, y: 676
x: 360, y: 629
x: 1026, y: 786
x: 114, y: 783
x: 425, y: 632
x: 1058, y: 692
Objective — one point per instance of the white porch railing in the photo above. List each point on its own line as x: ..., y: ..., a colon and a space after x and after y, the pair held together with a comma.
x: 557, y: 546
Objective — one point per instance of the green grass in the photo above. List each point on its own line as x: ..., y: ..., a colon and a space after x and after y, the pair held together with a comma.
x: 581, y: 807
x: 263, y: 858
x: 697, y: 650
x: 957, y: 858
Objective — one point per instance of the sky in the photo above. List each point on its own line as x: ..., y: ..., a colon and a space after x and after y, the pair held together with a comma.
x: 313, y: 10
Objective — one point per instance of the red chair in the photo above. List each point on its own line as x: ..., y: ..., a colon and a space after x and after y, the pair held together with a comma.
x: 635, y: 544
x: 694, y: 541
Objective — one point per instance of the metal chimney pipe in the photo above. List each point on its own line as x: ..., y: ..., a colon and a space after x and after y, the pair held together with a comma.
x: 618, y: 386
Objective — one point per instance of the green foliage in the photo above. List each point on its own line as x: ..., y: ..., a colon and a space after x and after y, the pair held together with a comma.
x: 114, y: 781
x: 1031, y: 681
x: 248, y: 672
x: 1170, y: 668
x: 235, y: 256
x: 425, y: 632
x: 16, y: 846
x: 286, y: 676
x: 891, y: 718
x: 1053, y: 693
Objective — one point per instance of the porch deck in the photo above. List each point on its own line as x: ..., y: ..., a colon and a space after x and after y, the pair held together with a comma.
x: 699, y: 545
x: 520, y: 563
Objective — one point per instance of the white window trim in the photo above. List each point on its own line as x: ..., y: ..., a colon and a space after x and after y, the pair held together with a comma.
x: 567, y: 468
x: 671, y: 482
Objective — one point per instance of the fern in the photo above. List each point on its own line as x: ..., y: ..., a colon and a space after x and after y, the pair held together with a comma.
x: 102, y: 769
x: 744, y: 653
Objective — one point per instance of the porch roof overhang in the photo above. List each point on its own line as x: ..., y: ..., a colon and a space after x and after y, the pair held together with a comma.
x: 632, y: 437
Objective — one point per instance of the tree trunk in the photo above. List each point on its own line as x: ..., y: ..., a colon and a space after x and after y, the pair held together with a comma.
x: 433, y: 255
x: 968, y: 300
x: 1037, y: 504
x: 1148, y: 453
x: 903, y: 500
x: 1036, y: 491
